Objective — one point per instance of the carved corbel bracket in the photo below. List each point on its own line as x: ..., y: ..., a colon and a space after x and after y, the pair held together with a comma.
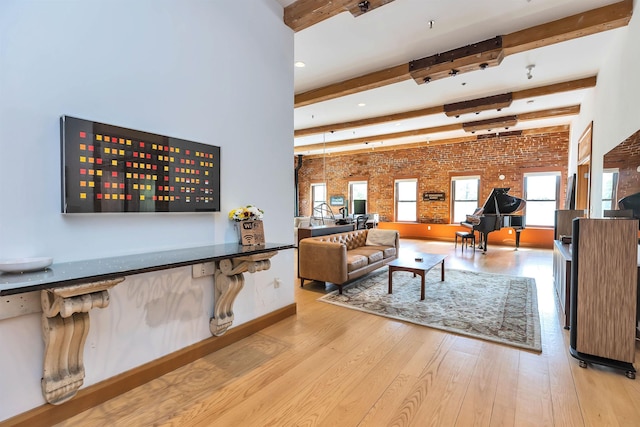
x: 65, y: 325
x: 228, y: 282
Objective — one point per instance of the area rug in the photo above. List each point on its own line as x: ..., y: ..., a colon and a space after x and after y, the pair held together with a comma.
x: 491, y: 307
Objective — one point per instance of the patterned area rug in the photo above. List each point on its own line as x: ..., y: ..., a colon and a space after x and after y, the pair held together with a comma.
x: 491, y: 307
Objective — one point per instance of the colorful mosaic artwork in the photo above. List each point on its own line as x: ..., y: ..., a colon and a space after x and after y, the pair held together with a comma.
x: 113, y: 169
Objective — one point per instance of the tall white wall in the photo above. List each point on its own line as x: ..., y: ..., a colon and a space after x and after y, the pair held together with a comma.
x: 615, y: 104
x: 216, y: 72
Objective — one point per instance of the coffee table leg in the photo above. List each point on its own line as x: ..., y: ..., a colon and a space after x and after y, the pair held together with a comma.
x: 390, y: 276
x: 422, y: 287
x: 442, y: 272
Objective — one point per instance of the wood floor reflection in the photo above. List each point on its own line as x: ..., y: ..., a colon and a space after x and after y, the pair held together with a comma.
x: 331, y: 366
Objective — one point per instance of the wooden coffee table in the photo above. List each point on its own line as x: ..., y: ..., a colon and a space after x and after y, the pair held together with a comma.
x: 417, y: 264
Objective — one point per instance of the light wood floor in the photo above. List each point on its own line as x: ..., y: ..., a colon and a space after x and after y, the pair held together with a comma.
x: 331, y: 366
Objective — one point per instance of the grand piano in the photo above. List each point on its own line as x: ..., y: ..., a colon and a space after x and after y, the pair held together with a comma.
x: 498, y: 212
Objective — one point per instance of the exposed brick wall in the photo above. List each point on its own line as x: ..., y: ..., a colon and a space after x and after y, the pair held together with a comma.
x: 434, y: 166
x: 625, y: 157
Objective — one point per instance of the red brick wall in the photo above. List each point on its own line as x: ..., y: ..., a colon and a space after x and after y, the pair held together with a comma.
x: 626, y: 157
x: 433, y: 166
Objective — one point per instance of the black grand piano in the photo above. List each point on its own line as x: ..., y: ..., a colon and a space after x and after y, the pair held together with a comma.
x: 497, y: 212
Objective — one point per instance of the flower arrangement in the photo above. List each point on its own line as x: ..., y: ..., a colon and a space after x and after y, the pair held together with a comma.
x: 246, y: 213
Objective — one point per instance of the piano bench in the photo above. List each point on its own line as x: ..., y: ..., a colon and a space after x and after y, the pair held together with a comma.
x: 466, y: 237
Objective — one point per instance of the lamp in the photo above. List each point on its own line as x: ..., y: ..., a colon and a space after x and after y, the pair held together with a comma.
x: 498, y: 122
x: 476, y: 56
x: 480, y: 104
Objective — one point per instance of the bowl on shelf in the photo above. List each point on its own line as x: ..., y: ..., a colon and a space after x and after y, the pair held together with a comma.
x: 23, y: 265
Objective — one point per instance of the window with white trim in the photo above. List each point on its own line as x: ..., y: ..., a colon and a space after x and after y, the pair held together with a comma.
x: 464, y: 196
x: 541, y: 192
x: 609, y: 189
x: 357, y: 191
x: 406, y: 197
x: 318, y: 196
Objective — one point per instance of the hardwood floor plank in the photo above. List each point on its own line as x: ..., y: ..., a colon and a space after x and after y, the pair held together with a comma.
x: 477, y: 405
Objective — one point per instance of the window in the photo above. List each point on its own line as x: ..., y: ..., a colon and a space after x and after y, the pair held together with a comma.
x: 609, y: 185
x: 464, y: 194
x: 541, y: 191
x: 406, y: 200
x: 318, y: 197
x: 358, y: 191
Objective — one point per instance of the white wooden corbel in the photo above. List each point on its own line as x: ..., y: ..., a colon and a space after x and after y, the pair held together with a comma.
x: 228, y: 282
x: 65, y: 325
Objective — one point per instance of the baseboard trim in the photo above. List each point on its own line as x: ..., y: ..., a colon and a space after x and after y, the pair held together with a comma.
x: 46, y: 415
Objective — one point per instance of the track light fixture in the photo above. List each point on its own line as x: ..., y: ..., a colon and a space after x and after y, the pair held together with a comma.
x: 364, y: 6
x: 529, y: 71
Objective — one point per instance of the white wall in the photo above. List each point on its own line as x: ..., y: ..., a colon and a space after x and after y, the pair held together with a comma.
x: 217, y: 72
x: 615, y: 104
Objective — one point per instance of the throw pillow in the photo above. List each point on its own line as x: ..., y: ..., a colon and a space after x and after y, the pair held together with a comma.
x: 376, y: 237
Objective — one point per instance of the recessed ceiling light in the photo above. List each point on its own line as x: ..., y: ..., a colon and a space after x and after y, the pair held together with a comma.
x: 300, y: 64
x: 362, y: 104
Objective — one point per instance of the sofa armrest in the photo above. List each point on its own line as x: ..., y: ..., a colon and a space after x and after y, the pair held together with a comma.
x: 322, y: 260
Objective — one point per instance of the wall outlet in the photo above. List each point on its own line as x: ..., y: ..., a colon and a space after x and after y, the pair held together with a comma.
x: 428, y: 227
x: 277, y: 282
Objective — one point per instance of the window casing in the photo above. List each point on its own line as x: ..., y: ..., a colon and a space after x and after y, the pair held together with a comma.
x: 318, y: 196
x: 609, y: 189
x: 464, y: 196
x: 541, y: 192
x: 406, y: 198
x: 357, y: 191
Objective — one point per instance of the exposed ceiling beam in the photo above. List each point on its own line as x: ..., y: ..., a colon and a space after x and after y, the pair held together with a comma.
x: 572, y: 27
x: 305, y: 13
x: 373, y: 80
x: 590, y: 22
x: 431, y: 143
x: 522, y: 94
x: 550, y: 113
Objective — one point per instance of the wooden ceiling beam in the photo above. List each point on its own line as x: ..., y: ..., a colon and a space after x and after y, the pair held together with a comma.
x: 572, y: 27
x: 522, y: 94
x: 549, y: 113
x: 305, y: 13
x: 373, y: 80
x: 590, y: 22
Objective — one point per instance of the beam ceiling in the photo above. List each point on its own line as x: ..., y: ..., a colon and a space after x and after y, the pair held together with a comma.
x: 518, y: 95
x: 305, y: 13
x: 422, y: 143
x: 550, y: 113
x: 590, y: 22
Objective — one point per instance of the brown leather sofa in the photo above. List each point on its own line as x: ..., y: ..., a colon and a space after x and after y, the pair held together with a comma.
x: 342, y: 257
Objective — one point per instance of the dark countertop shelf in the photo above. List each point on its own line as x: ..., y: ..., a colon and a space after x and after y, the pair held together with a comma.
x: 83, y: 271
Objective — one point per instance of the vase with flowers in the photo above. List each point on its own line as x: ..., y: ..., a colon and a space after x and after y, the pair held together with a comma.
x: 248, y: 223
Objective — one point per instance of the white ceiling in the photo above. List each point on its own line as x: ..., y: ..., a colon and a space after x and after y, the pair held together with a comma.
x: 344, y: 47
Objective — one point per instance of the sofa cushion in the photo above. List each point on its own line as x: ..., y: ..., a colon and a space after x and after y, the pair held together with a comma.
x: 373, y: 254
x: 386, y: 251
x: 356, y: 261
x: 377, y: 237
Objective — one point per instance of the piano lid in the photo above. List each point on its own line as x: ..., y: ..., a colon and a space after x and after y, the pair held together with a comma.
x: 500, y: 202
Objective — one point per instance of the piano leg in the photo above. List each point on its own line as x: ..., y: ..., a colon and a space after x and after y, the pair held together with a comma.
x: 517, y: 238
x: 483, y: 241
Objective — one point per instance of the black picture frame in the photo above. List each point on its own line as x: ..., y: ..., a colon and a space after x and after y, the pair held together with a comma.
x: 109, y: 169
